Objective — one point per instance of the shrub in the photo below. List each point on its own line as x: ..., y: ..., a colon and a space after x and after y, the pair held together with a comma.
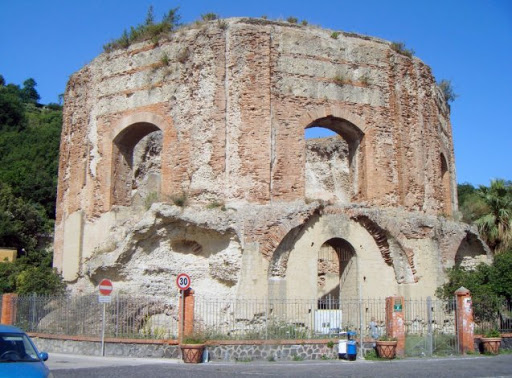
x: 400, y: 48
x: 304, y: 22
x: 164, y: 59
x: 222, y: 24
x: 335, y: 35
x: 209, y: 16
x: 180, y: 199
x: 292, y: 20
x: 340, y: 80
x: 492, y: 333
x: 216, y: 204
x: 146, y: 31
x: 447, y: 89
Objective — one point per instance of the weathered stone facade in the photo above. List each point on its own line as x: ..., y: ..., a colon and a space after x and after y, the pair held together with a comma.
x: 213, y: 119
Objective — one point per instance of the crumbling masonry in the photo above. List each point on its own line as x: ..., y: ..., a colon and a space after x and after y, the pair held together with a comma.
x: 190, y: 155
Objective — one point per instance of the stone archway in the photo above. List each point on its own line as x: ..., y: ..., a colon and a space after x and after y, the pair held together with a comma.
x: 471, y: 252
x: 136, y: 151
x: 336, y: 272
x: 332, y: 163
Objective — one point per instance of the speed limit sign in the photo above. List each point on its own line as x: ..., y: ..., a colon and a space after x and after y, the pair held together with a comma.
x: 183, y: 281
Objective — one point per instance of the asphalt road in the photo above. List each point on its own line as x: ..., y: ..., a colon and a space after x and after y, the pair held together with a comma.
x: 108, y: 367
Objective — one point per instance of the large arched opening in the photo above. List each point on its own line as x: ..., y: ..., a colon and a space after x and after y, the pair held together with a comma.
x: 136, y: 156
x: 337, y: 273
x: 332, y: 159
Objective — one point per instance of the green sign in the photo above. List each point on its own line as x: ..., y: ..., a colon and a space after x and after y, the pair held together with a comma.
x: 397, y: 307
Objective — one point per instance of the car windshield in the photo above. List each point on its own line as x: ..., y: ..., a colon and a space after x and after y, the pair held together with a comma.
x: 16, y: 347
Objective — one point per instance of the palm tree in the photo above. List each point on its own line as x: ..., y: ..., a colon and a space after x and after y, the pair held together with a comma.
x: 495, y: 227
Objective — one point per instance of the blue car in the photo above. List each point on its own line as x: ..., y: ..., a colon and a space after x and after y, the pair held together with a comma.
x: 19, y: 356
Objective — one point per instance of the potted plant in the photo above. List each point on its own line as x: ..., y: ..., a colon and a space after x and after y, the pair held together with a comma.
x: 386, y: 347
x: 192, y: 348
x: 491, y: 341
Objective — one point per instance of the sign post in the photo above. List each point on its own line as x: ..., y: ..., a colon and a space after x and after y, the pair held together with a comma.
x: 183, y: 283
x: 105, y: 288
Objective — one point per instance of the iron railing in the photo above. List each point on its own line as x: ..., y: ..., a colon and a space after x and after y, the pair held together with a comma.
x: 431, y: 322
x: 126, y: 316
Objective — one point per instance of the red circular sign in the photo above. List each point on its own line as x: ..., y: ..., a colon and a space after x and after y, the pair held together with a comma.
x: 106, y: 287
x: 183, y: 281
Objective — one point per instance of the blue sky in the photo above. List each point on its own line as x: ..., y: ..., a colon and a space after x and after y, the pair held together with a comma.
x: 468, y: 42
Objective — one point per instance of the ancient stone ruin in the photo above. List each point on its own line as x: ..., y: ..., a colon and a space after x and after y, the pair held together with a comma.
x: 190, y: 155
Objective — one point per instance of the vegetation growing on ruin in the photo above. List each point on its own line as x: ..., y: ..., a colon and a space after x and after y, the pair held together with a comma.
x: 209, y: 16
x: 400, y: 48
x: 29, y: 147
x: 149, y: 30
x: 340, y: 80
x: 447, y: 89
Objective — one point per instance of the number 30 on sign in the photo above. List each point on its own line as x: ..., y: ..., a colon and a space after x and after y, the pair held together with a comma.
x: 183, y: 281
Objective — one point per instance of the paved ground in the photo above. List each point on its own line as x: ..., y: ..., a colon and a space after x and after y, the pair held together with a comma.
x: 110, y: 367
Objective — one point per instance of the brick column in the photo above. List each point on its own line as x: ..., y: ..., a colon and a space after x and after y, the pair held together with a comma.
x: 395, y: 325
x: 187, y: 317
x: 9, y: 308
x: 464, y: 324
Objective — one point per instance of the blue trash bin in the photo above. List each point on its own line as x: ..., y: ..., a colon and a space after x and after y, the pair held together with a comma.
x: 351, y: 350
x: 351, y: 346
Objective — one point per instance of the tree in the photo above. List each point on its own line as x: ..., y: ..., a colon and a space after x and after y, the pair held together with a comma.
x: 495, y: 226
x: 490, y: 287
x: 29, y: 146
x: 29, y: 93
x: 471, y: 205
x: 22, y: 224
x: 12, y: 117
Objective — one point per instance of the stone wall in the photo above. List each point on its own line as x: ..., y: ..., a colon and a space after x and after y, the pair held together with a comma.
x: 284, y: 350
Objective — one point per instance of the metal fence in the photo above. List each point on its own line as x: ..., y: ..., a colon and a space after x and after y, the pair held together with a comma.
x: 492, y: 314
x: 430, y: 327
x: 126, y: 316
x: 429, y: 324
x: 292, y: 319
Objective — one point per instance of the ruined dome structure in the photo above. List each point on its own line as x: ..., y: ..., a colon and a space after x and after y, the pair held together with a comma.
x: 190, y: 155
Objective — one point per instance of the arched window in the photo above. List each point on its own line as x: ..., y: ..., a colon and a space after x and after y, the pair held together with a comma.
x: 136, y: 164
x: 331, y: 168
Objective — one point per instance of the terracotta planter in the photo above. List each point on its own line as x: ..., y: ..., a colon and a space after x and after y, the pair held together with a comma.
x: 386, y: 349
x: 192, y: 353
x: 491, y: 344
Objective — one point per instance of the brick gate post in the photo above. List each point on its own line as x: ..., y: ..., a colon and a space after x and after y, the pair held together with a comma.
x: 464, y: 324
x: 9, y: 308
x: 187, y: 317
x: 395, y: 326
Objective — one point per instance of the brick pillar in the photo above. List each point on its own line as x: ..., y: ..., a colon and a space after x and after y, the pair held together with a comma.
x: 395, y: 325
x: 464, y: 324
x: 9, y: 308
x: 187, y: 318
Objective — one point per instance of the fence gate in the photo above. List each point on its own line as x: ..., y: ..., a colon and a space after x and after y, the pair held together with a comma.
x: 430, y: 328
